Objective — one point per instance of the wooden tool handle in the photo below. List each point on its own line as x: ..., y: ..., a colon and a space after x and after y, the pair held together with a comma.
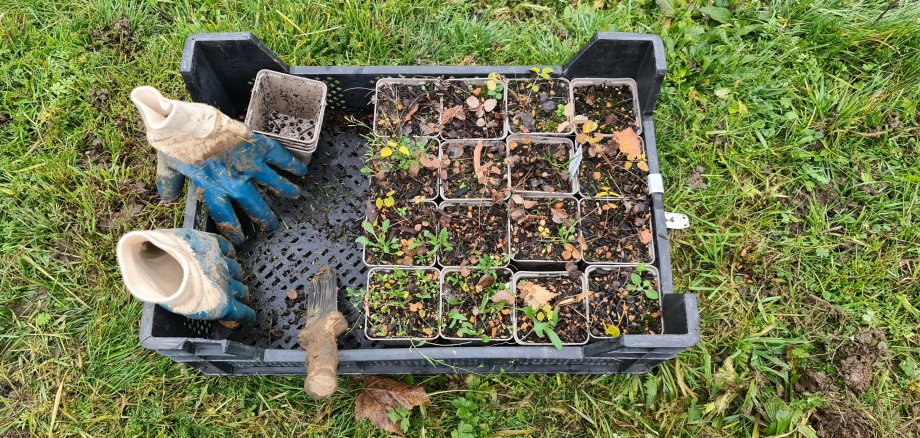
x: 322, y: 354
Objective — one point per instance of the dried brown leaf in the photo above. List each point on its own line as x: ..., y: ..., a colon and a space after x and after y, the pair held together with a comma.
x: 411, y: 112
x: 414, y: 169
x: 534, y: 295
x: 645, y: 236
x: 559, y: 215
x: 629, y: 142
x: 562, y: 127
x: 485, y: 281
x: 450, y: 113
x: 489, y: 105
x: 382, y: 395
x: 570, y: 110
x: 517, y: 198
x: 502, y: 295
x: 430, y: 162
x: 481, y: 174
x: 572, y: 270
x: 229, y: 324
x: 415, y: 307
x: 472, y: 102
x: 292, y: 294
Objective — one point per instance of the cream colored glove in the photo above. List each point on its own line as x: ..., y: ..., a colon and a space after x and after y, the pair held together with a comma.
x: 185, y: 271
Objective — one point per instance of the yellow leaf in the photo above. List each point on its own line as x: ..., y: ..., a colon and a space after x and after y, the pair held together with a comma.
x: 404, y: 150
x: 386, y: 152
x: 589, y: 126
x: 581, y: 138
x: 379, y: 203
x: 628, y: 165
x: 642, y: 165
x: 389, y: 202
x: 612, y: 330
x: 391, y: 143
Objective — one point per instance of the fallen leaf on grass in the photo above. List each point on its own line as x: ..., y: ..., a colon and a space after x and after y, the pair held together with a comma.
x: 382, y: 395
x: 645, y: 236
x: 534, y: 295
x: 629, y: 142
x: 502, y: 295
x: 292, y: 294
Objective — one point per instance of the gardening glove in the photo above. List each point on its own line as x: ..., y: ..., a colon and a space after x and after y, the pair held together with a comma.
x: 186, y: 271
x: 220, y: 155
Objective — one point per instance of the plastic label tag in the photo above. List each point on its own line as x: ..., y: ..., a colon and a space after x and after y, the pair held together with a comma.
x: 676, y: 221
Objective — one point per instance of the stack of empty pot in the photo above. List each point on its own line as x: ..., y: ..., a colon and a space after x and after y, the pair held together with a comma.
x: 288, y: 109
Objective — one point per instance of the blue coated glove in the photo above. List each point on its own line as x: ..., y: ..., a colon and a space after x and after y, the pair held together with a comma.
x: 186, y: 271
x: 221, y: 155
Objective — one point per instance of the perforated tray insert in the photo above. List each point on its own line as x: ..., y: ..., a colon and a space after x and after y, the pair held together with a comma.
x: 318, y: 228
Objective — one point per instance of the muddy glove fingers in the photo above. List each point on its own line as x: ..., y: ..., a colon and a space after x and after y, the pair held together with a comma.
x: 220, y: 209
x: 276, y: 155
x: 186, y: 272
x: 169, y: 180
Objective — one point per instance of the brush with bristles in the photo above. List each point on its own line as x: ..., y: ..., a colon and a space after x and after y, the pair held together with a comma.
x: 322, y: 324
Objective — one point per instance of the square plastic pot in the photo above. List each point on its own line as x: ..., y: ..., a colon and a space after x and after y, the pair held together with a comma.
x: 437, y: 176
x: 544, y: 264
x: 292, y: 96
x: 404, y: 81
x: 430, y: 265
x: 591, y: 269
x: 504, y: 103
x: 510, y: 127
x: 578, y: 164
x: 525, y: 275
x: 399, y: 342
x: 573, y: 164
x: 587, y: 259
x: 467, y: 202
x: 443, y: 312
x: 631, y: 83
x: 465, y: 143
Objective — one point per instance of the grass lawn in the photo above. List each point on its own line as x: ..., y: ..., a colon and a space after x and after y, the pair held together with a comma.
x: 789, y: 130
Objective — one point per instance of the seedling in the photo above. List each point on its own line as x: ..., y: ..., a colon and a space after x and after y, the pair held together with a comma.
x: 434, y: 243
x: 495, y: 87
x: 381, y: 243
x: 637, y: 284
x: 545, y: 320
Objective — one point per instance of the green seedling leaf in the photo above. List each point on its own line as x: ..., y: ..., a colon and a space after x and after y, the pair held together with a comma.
x: 554, y: 338
x: 651, y: 294
x: 367, y: 226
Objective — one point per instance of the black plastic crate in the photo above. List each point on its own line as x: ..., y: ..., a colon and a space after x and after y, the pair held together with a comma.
x: 320, y: 228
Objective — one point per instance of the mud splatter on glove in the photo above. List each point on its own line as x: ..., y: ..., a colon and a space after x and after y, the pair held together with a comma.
x: 221, y: 155
x: 185, y: 271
